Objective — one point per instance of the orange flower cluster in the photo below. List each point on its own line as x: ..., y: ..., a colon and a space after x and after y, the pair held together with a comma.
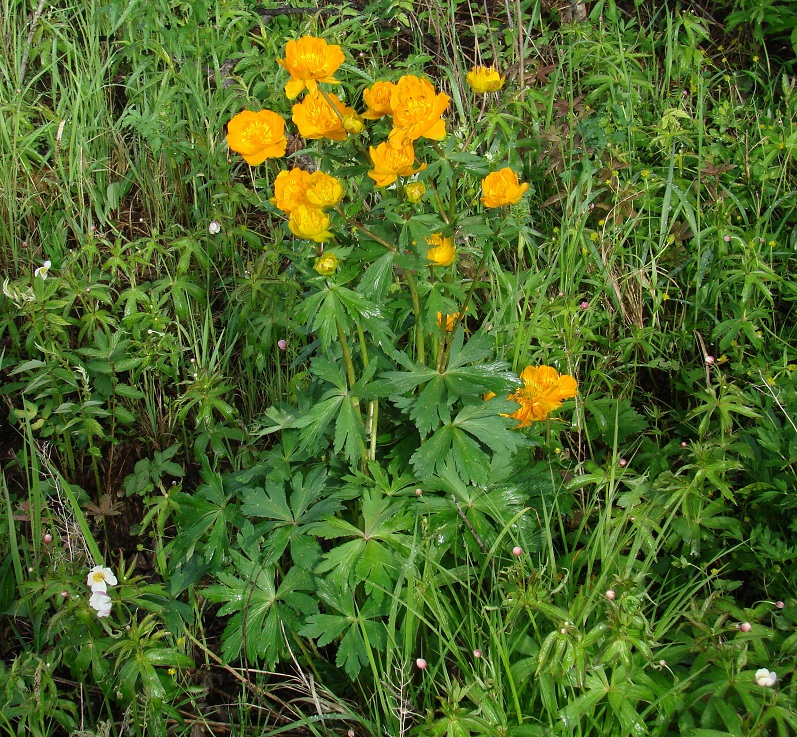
x: 304, y: 196
x: 543, y: 391
x: 416, y: 109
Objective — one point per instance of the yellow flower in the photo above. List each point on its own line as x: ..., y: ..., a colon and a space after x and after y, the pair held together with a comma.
x: 485, y: 79
x: 414, y: 192
x: 310, y: 60
x: 449, y: 321
x: 390, y: 162
x: 377, y: 97
x: 442, y: 252
x: 310, y: 223
x: 326, y: 264
x: 502, y: 188
x: 416, y: 110
x: 257, y: 136
x: 543, y: 390
x: 290, y: 188
x: 315, y: 118
x: 324, y: 190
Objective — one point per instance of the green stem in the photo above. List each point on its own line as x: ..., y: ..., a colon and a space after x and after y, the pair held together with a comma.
x: 363, y: 229
x: 350, y: 375
x: 416, y: 307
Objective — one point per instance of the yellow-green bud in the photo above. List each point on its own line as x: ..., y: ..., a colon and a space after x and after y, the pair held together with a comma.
x: 353, y: 124
x: 414, y: 191
x: 326, y: 264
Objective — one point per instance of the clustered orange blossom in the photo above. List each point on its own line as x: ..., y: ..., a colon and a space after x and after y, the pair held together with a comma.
x: 416, y: 109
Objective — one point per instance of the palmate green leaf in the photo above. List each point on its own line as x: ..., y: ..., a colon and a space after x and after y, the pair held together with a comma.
x: 288, y: 523
x: 260, y: 607
x: 432, y: 407
x: 360, y: 629
x: 377, y: 278
x: 463, y: 441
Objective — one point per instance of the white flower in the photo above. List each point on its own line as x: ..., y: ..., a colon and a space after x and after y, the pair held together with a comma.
x: 101, y: 602
x: 214, y: 228
x: 99, y: 579
x: 765, y: 678
x: 42, y: 270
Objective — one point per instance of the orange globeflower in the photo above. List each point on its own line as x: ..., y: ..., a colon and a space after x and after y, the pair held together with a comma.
x: 377, y: 97
x: 310, y: 223
x: 315, y: 118
x: 449, y: 321
x: 324, y: 190
x: 310, y: 60
x: 502, y: 188
x: 290, y: 188
x: 442, y: 252
x: 391, y: 162
x: 543, y: 390
x: 485, y: 79
x: 416, y: 110
x: 257, y: 136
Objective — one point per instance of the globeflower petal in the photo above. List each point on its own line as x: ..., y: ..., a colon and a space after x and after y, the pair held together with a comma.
x: 416, y: 110
x: 310, y: 60
x: 257, y: 136
x: 310, y: 223
x: 442, y: 252
x: 315, y: 117
x: 377, y: 98
x: 390, y: 162
x: 543, y: 391
x: 485, y: 79
x: 290, y: 188
x: 501, y: 188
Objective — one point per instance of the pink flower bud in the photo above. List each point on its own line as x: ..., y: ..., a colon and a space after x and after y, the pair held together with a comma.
x: 779, y: 605
x: 477, y: 653
x: 48, y: 538
x: 684, y: 444
x: 710, y: 360
x: 585, y: 305
x: 421, y: 663
x: 726, y: 238
x: 418, y: 492
x: 623, y: 462
x: 610, y: 594
x: 517, y: 551
x: 64, y: 594
x: 745, y: 626
x: 282, y: 344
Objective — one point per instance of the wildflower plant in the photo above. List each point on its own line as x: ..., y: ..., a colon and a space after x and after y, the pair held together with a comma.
x: 389, y: 238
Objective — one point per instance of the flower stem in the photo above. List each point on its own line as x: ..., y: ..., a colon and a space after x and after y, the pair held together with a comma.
x: 416, y: 307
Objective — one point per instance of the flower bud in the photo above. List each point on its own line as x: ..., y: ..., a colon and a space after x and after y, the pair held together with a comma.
x: 48, y: 538
x: 610, y: 594
x: 353, y: 124
x: 282, y: 344
x: 745, y: 626
x: 477, y: 653
x: 414, y: 192
x: 326, y: 264
x: 779, y: 605
x: 710, y: 360
x: 421, y: 663
x: 517, y: 551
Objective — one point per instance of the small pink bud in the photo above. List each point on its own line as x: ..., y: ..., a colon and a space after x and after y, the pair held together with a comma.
x: 282, y: 344
x: 585, y: 305
x: 745, y: 626
x: 726, y: 238
x: 623, y: 462
x: 517, y: 551
x: 418, y: 492
x: 421, y: 663
x: 48, y: 538
x: 684, y: 444
x: 779, y: 605
x: 64, y: 594
x: 710, y: 360
x: 477, y: 653
x: 610, y: 594
x: 30, y: 569
x: 350, y: 733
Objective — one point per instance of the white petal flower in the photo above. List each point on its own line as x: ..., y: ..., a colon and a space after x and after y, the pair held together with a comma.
x: 101, y: 602
x: 214, y: 228
x: 100, y: 578
x: 765, y: 678
x: 43, y: 269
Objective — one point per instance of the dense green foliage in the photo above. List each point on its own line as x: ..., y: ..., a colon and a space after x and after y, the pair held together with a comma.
x: 316, y: 520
